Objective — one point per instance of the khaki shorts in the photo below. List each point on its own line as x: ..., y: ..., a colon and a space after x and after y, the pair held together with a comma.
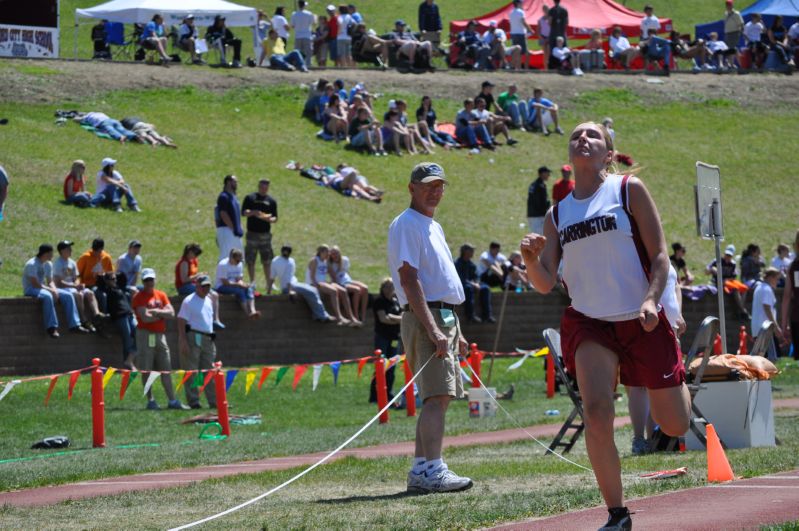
x: 152, y: 351
x: 258, y: 243
x: 441, y: 377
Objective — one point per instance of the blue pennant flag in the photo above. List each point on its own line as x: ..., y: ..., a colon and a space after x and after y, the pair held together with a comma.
x: 231, y: 375
x: 335, y: 366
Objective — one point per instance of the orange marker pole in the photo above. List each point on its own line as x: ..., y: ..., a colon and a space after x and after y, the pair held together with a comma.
x: 550, y: 376
x: 742, y: 341
x: 717, y: 345
x: 475, y: 360
x: 410, y: 398
x: 380, y: 384
x: 221, y: 399
x: 98, y: 406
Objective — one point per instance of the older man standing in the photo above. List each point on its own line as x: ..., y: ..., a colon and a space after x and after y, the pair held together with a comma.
x: 227, y: 216
x: 196, y: 339
x: 428, y: 287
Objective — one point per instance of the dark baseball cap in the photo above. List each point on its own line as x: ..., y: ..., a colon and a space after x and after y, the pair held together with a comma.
x: 98, y: 244
x: 63, y: 244
x: 488, y: 84
x: 427, y: 172
x: 203, y: 280
x: 134, y: 243
x: 543, y: 169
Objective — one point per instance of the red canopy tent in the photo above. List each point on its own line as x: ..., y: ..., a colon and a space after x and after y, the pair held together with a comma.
x: 584, y: 16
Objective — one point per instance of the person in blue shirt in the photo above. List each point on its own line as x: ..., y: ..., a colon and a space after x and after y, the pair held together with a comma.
x: 228, y: 218
x: 154, y: 38
x: 542, y: 112
x: 354, y: 15
x: 130, y: 263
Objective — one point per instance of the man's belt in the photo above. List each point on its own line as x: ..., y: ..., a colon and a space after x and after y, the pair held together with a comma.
x: 435, y: 305
x: 211, y: 334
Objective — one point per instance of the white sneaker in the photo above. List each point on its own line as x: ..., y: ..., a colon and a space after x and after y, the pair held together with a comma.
x: 416, y: 482
x: 445, y: 480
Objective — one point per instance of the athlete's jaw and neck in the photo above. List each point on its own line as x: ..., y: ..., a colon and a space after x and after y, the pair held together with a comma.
x: 590, y: 155
x: 425, y: 197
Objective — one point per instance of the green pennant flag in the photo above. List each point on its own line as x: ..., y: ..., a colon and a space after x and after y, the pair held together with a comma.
x: 198, y: 380
x: 280, y: 373
x: 133, y: 375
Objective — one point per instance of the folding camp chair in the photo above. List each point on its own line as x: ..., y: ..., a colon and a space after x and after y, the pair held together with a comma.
x: 115, y: 36
x: 552, y: 339
x: 703, y: 342
x: 764, y: 340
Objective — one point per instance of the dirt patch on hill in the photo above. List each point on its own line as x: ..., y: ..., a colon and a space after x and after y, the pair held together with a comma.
x: 62, y: 81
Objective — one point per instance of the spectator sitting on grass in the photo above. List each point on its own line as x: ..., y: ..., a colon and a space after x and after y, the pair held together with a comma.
x: 490, y: 268
x: 75, y: 186
x: 37, y: 282
x: 472, y: 285
x: 129, y: 263
x: 339, y: 267
x: 719, y: 51
x: 542, y: 112
x: 316, y: 275
x: 146, y: 132
x: 187, y: 271
x: 426, y: 122
x: 469, y: 128
x: 356, y: 103
x: 685, y: 278
x: 65, y: 277
x: 753, y: 37
x: 402, y: 109
x: 752, y: 264
x: 397, y: 135
x: 104, y: 124
x: 153, y: 37
x: 230, y: 281
x: 622, y: 50
x: 111, y: 186
x: 283, y: 271
x: 152, y: 309
x: 510, y: 105
x: 275, y: 49
x: 364, y: 132
x: 219, y: 35
x: 496, y: 124
x: 689, y: 50
x: 335, y: 118
x: 187, y: 39
x: 313, y: 108
x: 121, y: 314
x: 516, y: 273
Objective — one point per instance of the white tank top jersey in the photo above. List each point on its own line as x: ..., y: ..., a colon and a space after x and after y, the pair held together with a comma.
x: 321, y: 272
x: 605, y: 265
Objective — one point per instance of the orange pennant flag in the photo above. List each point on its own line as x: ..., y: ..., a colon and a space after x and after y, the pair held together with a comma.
x: 73, y: 379
x: 124, y: 385
x: 361, y: 363
x: 184, y: 379
x: 264, y: 373
x: 53, y: 380
x: 208, y: 376
x: 299, y: 371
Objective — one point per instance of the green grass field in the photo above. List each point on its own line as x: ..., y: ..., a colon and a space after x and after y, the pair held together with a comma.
x: 514, y: 481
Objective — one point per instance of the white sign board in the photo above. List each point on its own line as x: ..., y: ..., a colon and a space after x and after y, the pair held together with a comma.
x: 707, y: 194
x: 28, y: 41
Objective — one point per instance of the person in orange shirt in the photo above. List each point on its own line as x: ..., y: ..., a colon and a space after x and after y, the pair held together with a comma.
x: 187, y: 270
x: 75, y: 186
x: 152, y: 309
x: 93, y: 264
x: 564, y: 185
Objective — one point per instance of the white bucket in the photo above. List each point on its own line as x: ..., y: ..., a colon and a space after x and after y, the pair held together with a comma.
x: 481, y: 404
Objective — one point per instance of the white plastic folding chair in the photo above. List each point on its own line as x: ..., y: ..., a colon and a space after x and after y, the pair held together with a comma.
x: 764, y: 339
x: 575, y: 420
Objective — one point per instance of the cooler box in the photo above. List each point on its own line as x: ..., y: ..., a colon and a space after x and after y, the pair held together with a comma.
x: 741, y: 412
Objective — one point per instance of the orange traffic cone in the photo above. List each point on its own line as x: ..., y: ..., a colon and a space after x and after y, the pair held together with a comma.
x: 718, y: 468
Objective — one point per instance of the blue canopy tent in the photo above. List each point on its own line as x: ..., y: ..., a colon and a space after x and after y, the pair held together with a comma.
x: 789, y: 9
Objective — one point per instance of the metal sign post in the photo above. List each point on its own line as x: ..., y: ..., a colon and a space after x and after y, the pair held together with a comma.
x: 709, y: 226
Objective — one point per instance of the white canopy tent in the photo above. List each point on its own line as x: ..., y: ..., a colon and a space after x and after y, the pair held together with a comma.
x: 173, y: 11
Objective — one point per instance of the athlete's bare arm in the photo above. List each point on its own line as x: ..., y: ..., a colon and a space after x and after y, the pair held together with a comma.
x: 646, y: 215
x: 541, y: 254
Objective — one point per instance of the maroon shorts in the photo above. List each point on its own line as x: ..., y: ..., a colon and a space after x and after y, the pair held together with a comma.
x: 646, y: 359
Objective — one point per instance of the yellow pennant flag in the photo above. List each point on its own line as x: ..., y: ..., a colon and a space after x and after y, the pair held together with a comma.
x: 107, y: 376
x: 541, y: 353
x: 179, y: 374
x: 250, y: 378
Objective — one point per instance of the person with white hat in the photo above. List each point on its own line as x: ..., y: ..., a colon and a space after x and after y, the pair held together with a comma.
x: 196, y: 339
x: 111, y: 186
x: 152, y: 308
x: 187, y: 39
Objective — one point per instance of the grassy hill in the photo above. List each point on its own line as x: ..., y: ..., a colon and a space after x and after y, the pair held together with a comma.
x: 381, y: 14
x: 254, y: 132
